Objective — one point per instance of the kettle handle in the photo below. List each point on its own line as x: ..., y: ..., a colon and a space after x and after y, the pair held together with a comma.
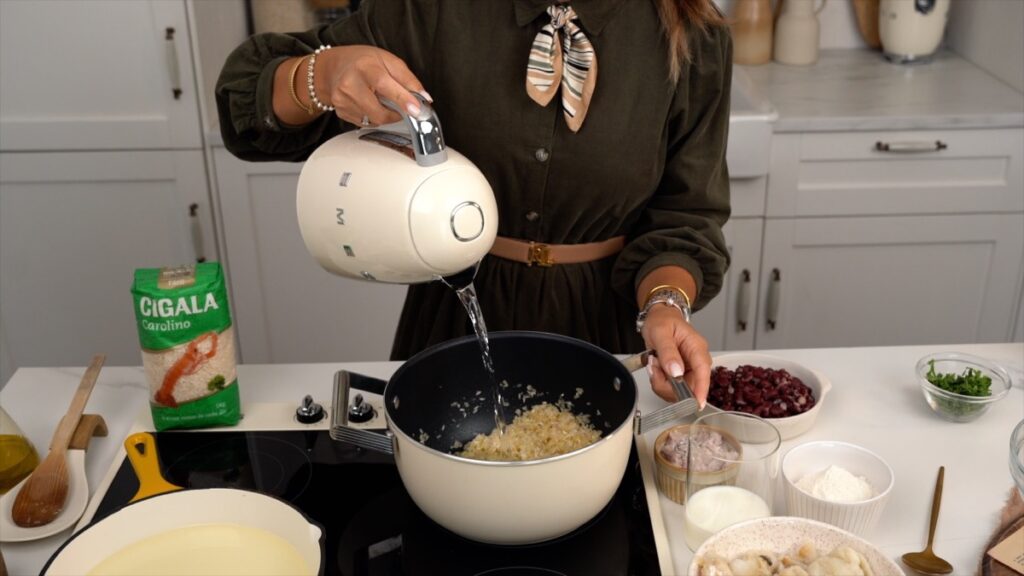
x: 424, y: 131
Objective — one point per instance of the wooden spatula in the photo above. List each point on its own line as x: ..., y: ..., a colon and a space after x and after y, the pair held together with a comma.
x: 43, y: 495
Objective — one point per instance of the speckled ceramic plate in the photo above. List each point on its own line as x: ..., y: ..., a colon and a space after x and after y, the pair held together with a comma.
x: 781, y: 534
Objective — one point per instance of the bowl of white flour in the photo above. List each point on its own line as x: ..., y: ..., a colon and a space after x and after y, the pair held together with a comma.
x: 836, y: 482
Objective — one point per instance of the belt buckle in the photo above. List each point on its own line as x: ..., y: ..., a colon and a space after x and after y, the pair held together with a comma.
x: 539, y: 254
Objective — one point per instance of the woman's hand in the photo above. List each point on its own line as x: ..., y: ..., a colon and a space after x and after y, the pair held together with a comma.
x: 682, y: 352
x: 352, y: 78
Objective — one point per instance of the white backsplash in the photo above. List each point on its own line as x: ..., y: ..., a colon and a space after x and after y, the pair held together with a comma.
x: 838, y: 23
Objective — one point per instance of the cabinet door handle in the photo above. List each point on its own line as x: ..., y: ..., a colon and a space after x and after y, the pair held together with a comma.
x: 743, y: 301
x: 772, y: 312
x: 196, y: 227
x: 910, y: 147
x: 172, y: 63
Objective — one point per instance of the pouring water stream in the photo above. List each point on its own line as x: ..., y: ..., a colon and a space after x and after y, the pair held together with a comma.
x: 462, y: 283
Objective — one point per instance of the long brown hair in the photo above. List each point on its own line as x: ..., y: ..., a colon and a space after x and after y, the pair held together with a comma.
x: 676, y: 17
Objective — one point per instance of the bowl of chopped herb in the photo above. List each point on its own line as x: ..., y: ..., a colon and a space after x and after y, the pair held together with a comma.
x: 961, y: 387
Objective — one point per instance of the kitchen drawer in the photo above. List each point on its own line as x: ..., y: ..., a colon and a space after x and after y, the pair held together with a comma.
x: 925, y: 172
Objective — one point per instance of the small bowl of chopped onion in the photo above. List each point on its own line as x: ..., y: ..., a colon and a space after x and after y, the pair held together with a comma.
x: 961, y: 387
x: 786, y: 393
x: 836, y: 482
x: 671, y: 452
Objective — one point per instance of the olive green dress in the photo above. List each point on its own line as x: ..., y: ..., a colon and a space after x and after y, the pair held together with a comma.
x: 648, y: 162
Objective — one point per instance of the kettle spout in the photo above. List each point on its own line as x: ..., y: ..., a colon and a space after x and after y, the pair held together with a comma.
x: 460, y: 280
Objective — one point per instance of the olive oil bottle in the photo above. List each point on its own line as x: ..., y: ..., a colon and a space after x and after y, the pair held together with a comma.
x: 18, y: 458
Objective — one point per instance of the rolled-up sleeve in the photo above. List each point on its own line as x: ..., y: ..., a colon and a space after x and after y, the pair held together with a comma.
x: 682, y: 223
x: 244, y: 91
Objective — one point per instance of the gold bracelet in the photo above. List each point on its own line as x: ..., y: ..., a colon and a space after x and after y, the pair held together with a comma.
x: 291, y: 89
x: 667, y: 287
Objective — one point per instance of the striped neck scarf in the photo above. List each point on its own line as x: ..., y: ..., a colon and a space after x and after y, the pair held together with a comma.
x: 562, y: 56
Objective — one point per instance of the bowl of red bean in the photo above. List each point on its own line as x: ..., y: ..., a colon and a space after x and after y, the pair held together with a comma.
x: 786, y: 392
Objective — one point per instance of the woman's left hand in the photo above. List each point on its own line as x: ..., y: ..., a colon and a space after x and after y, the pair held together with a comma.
x: 682, y: 352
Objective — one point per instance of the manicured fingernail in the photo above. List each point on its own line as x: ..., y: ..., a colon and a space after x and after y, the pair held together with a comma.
x: 426, y: 95
x: 413, y: 109
x: 701, y: 404
x: 675, y: 369
x: 650, y: 369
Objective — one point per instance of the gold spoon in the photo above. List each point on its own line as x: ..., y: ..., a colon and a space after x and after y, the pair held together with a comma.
x: 42, y: 497
x: 925, y: 561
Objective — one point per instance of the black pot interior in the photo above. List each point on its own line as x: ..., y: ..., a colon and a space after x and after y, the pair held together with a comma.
x: 442, y: 397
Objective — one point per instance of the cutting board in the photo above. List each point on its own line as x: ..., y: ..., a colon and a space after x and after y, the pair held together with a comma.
x: 990, y: 567
x: 867, y: 21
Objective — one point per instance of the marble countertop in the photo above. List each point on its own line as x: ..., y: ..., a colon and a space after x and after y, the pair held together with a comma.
x: 860, y: 90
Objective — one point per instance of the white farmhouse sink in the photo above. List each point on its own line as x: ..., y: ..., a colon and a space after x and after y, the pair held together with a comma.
x: 750, y: 129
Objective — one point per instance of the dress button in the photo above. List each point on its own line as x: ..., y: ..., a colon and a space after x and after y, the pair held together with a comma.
x: 532, y: 216
x: 541, y: 155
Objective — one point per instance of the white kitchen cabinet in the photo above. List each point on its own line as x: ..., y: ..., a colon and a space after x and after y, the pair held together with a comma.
x: 728, y: 322
x: 889, y: 280
x: 96, y: 75
x: 73, y: 227
x: 886, y: 173
x: 287, y: 308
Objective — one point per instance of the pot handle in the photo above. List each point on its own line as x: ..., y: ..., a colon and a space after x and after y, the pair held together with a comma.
x: 378, y: 441
x: 424, y: 131
x: 684, y: 406
x: 141, y: 450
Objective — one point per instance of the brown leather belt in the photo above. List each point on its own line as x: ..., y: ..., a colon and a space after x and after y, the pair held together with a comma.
x: 531, y: 253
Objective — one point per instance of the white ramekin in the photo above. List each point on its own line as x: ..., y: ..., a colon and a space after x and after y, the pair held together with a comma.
x: 857, y: 517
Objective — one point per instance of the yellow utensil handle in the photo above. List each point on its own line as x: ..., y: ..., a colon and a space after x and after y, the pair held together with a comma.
x: 141, y: 449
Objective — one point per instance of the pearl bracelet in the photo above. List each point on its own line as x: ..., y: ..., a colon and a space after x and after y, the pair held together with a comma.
x: 309, y: 81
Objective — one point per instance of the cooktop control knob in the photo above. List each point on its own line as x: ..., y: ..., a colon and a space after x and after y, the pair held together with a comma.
x: 360, y: 411
x: 309, y: 412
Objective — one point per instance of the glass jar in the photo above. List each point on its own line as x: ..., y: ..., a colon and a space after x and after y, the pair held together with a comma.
x: 18, y: 457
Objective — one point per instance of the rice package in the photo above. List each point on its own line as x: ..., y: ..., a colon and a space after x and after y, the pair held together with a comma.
x: 188, y: 345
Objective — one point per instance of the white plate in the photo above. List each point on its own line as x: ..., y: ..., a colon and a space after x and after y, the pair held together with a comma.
x: 781, y: 534
x: 78, y: 497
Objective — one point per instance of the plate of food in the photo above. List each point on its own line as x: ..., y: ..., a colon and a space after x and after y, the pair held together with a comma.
x: 785, y: 546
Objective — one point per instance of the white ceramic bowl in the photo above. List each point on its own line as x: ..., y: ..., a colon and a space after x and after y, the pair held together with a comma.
x: 812, y: 457
x: 790, y: 426
x: 782, y: 534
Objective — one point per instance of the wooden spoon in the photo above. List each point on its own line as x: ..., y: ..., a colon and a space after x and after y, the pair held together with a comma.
x: 42, y: 497
x: 925, y: 561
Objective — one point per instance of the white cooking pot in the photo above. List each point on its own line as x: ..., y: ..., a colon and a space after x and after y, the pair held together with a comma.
x: 395, y: 206
x: 439, y: 399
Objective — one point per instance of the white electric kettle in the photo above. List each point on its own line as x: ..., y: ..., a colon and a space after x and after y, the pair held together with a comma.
x: 395, y: 206
x: 911, y: 30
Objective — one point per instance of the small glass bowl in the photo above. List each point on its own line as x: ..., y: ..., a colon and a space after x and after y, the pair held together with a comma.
x: 1017, y: 456
x: 958, y: 407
